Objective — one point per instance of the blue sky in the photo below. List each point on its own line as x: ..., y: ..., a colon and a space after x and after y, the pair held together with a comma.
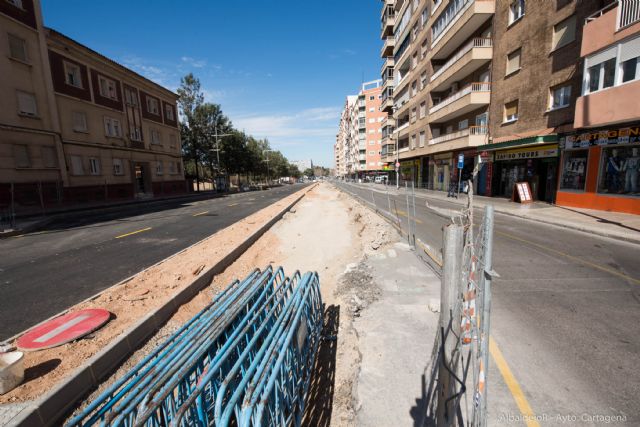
x: 280, y: 69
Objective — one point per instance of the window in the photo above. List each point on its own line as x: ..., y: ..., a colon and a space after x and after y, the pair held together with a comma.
x: 601, y: 76
x: 424, y: 17
x: 172, y: 168
x: 422, y: 138
x: 117, y: 167
x: 94, y: 166
x: 76, y: 166
x: 372, y: 120
x: 27, y: 104
x: 511, y: 111
x: 619, y: 173
x: 371, y: 98
x: 564, y: 32
x: 513, y: 61
x: 463, y: 124
x: 560, y: 97
x: 629, y: 70
x: 173, y: 141
x: 423, y: 80
x: 49, y: 159
x: 168, y: 111
x: 372, y: 131
x: 79, y: 121
x: 112, y: 127
x: 414, y: 88
x: 423, y: 109
x: 72, y: 75
x: 155, y: 136
x: 372, y: 142
x: 18, y: 48
x: 516, y: 10
x: 152, y: 106
x: 130, y: 96
x: 574, y: 170
x: 372, y: 109
x: 158, y: 168
x: 413, y: 141
x: 21, y: 156
x: 108, y: 88
x: 16, y: 3
x: 372, y: 153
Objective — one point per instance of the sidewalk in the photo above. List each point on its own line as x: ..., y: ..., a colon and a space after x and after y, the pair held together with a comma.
x: 615, y: 225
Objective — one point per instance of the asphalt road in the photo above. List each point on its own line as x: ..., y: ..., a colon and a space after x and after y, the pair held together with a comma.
x: 565, y: 316
x: 43, y: 273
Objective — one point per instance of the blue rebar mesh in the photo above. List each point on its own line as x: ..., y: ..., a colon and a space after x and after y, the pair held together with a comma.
x: 245, y: 360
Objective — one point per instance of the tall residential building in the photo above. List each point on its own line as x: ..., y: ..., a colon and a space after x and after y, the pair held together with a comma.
x: 76, y: 126
x: 441, y: 89
x: 359, y: 142
x: 600, y: 163
x: 536, y: 77
x: 388, y: 20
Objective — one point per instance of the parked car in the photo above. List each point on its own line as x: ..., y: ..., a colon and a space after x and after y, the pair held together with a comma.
x: 381, y: 179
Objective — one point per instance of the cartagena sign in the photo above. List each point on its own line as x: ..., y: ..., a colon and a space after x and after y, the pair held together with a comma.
x: 601, y: 137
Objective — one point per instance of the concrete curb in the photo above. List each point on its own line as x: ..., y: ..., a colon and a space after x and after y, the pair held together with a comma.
x: 55, y: 404
x: 28, y: 229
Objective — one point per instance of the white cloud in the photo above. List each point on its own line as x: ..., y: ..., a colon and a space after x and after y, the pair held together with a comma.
x: 196, y: 63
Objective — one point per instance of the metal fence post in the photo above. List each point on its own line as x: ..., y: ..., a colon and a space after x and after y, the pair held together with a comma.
x: 13, y: 207
x: 409, y: 227
x: 373, y: 199
x: 389, y: 200
x: 413, y: 196
x: 449, y: 322
x: 486, y: 304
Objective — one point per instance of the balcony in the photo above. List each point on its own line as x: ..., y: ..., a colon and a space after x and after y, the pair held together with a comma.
x: 467, y: 17
x: 388, y: 46
x: 473, y: 136
x: 609, y: 106
x: 387, y: 62
x: 473, y: 55
x: 400, y: 99
x: 610, y: 25
x: 469, y: 98
x: 387, y: 105
x: 388, y: 22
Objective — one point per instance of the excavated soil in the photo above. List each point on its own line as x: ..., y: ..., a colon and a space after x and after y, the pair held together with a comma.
x: 142, y: 294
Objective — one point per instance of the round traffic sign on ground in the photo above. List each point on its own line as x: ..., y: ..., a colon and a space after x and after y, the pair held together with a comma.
x: 63, y: 329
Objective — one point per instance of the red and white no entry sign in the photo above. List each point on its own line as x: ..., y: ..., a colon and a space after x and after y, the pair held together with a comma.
x: 63, y: 329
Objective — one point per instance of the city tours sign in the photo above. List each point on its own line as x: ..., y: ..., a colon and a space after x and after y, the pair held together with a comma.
x: 527, y: 153
x: 627, y: 135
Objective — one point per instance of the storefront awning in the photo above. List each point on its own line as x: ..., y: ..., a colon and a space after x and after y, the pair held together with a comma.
x: 520, y: 142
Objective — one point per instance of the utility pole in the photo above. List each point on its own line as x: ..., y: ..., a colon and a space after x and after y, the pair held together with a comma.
x: 268, y: 170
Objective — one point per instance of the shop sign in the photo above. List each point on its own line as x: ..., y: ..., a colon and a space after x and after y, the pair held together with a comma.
x: 485, y: 156
x: 527, y: 153
x: 601, y: 137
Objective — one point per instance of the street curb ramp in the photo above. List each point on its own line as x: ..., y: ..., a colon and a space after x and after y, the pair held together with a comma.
x: 54, y: 405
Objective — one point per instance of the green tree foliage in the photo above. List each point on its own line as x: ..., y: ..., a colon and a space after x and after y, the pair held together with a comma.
x: 208, y: 134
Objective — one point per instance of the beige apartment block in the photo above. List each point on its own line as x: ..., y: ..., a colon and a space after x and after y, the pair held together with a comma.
x: 75, y: 126
x: 441, y: 87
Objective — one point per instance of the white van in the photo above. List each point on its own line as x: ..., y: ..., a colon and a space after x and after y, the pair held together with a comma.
x: 381, y: 179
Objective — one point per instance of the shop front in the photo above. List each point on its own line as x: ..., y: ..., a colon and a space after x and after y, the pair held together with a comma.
x: 536, y: 164
x: 410, y: 170
x: 469, y: 159
x: 440, y: 166
x: 600, y: 170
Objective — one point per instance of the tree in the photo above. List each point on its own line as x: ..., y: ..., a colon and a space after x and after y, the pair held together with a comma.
x: 308, y: 172
x: 190, y: 98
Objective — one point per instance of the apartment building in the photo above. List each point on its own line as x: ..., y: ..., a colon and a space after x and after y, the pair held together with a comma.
x: 387, y: 152
x: 359, y: 139
x: 536, y: 76
x: 441, y: 88
x: 31, y: 153
x: 80, y: 127
x: 600, y: 160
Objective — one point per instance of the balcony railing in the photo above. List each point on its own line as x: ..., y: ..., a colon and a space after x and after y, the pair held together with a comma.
x: 447, y: 18
x: 477, y: 42
x: 471, y: 130
x: 473, y: 87
x: 628, y: 13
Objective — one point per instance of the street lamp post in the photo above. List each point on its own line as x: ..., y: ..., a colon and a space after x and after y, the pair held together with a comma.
x: 217, y: 137
x: 268, y: 170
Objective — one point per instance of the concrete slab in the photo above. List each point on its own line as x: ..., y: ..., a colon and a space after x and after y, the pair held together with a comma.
x: 396, y: 335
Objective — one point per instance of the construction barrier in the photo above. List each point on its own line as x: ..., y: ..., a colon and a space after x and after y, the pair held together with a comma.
x: 245, y: 360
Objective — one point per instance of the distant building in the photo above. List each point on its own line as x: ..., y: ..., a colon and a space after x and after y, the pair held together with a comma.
x: 76, y: 126
x: 358, y: 143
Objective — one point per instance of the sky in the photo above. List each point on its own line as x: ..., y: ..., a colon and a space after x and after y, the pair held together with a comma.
x: 280, y: 69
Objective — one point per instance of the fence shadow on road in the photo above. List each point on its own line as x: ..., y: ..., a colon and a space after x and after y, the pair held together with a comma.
x: 319, y: 402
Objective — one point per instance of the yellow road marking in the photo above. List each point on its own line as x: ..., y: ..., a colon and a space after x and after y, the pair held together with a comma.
x: 133, y: 232
x: 571, y: 257
x: 512, y: 383
x: 404, y: 214
x: 201, y: 213
x: 232, y: 204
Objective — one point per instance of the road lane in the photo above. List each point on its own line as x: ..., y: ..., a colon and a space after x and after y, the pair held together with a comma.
x: 43, y: 273
x: 564, y: 312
